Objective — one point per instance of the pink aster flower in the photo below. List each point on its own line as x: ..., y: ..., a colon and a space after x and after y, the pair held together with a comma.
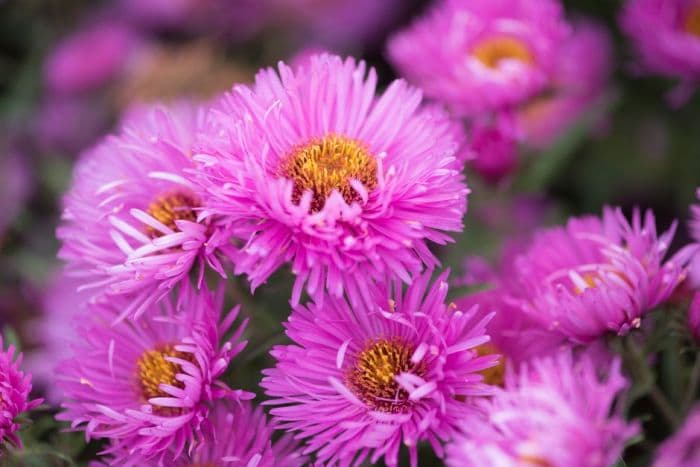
x: 596, y: 275
x: 130, y: 222
x: 683, y: 448
x: 360, y: 381
x: 147, y: 385
x: 480, y: 55
x: 580, y: 81
x: 337, y: 24
x: 239, y: 435
x: 236, y: 21
x: 666, y: 36
x: 495, y: 148
x: 15, y: 387
x: 314, y: 170
x: 558, y: 411
x: 62, y: 306
x: 515, y: 336
x: 69, y: 124
x: 109, y: 45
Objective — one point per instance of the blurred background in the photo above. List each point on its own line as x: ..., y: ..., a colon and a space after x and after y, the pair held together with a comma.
x: 70, y: 68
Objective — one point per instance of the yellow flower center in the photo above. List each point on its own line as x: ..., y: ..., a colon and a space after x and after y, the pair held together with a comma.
x: 327, y: 164
x: 692, y: 21
x: 372, y: 378
x: 171, y: 207
x: 494, y: 375
x: 493, y: 50
x: 153, y: 370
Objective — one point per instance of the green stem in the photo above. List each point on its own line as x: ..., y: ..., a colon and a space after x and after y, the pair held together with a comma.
x: 692, y: 385
x: 639, y: 369
x: 664, y: 406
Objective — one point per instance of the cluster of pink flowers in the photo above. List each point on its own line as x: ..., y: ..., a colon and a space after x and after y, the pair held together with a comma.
x: 313, y: 173
x: 516, y: 71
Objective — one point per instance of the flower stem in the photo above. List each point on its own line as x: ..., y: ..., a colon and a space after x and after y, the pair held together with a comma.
x: 664, y: 406
x: 693, y: 382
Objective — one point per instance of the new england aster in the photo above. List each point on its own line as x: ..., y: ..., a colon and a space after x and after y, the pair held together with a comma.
x: 596, y: 275
x: 360, y: 381
x: 240, y: 435
x: 147, y: 385
x: 557, y: 411
x: 15, y: 387
x: 130, y: 222
x: 666, y: 35
x: 580, y: 81
x: 683, y: 448
x: 480, y: 55
x: 313, y: 169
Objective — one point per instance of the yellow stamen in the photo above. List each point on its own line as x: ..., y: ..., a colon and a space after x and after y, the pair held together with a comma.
x: 692, y: 21
x: 372, y: 378
x: 171, y: 207
x: 494, y: 375
x: 327, y: 164
x: 493, y: 50
x: 153, y: 370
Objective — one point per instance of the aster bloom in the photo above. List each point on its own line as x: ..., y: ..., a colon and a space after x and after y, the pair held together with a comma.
x: 231, y: 21
x: 580, y: 81
x: 683, y: 448
x: 495, y: 148
x: 596, y: 275
x: 557, y: 411
x: 15, y: 387
x: 515, y: 336
x: 239, y: 435
x: 360, y: 381
x: 337, y: 24
x: 666, y: 36
x: 69, y: 124
x: 109, y: 44
x: 62, y: 307
x: 480, y: 55
x: 130, y: 222
x: 312, y: 169
x: 147, y: 385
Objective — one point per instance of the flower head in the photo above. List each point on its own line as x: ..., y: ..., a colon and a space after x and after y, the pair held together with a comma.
x: 495, y: 148
x: 480, y: 55
x: 515, y: 336
x: 336, y: 24
x: 130, y: 222
x: 238, y: 433
x: 683, y: 448
x: 360, y: 381
x: 147, y: 385
x: 666, y: 35
x: 314, y: 170
x: 554, y: 411
x: 15, y: 387
x: 579, y: 82
x: 62, y: 306
x: 596, y: 275
x: 109, y: 44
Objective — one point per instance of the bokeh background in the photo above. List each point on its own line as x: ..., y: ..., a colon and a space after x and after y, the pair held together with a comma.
x: 633, y: 150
